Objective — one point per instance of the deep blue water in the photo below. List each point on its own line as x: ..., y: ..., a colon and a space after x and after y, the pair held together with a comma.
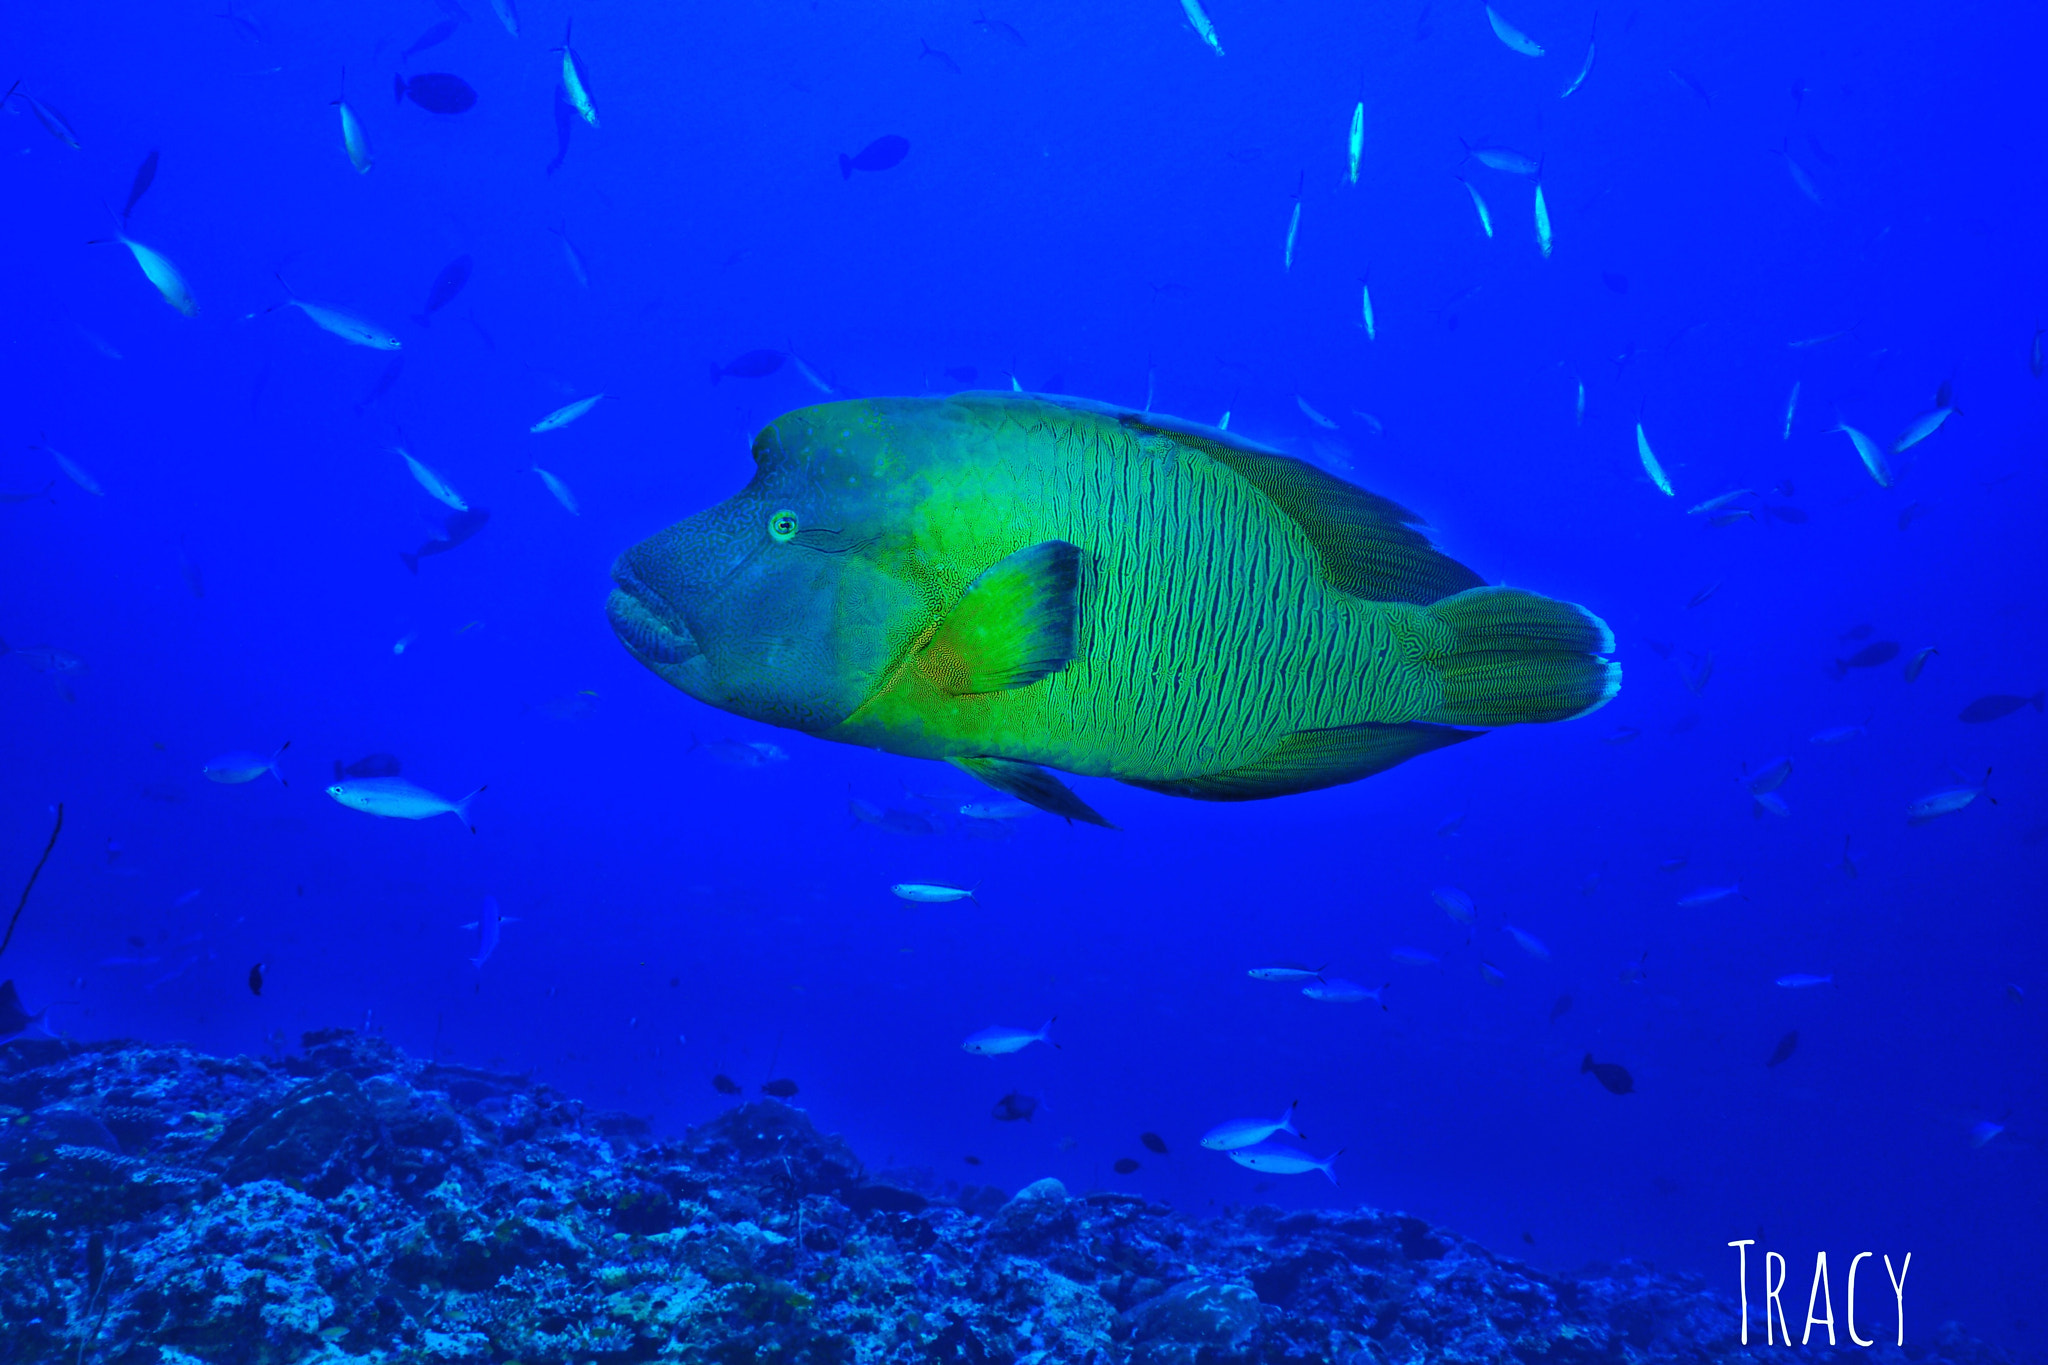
x: 1105, y: 201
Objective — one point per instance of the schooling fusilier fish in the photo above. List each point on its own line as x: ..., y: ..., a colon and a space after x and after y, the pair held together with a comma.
x: 1014, y: 583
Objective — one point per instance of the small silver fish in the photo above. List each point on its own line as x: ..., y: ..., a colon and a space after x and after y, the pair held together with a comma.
x: 1516, y: 40
x: 996, y: 810
x: 1947, y: 801
x: 998, y: 1039
x: 575, y: 80
x: 395, y: 798
x: 1650, y: 465
x: 158, y: 270
x: 488, y: 924
x: 1500, y: 159
x: 1867, y: 451
x: 1922, y: 427
x: 1236, y: 1133
x: 1798, y: 980
x: 1204, y: 29
x: 1485, y: 218
x: 931, y: 893
x: 559, y: 489
x: 1312, y: 414
x: 353, y: 330
x: 1586, y: 69
x: 1769, y: 777
x: 1454, y: 903
x: 562, y: 416
x: 1337, y: 991
x: 1286, y: 971
x: 354, y: 140
x: 1716, y: 504
x: 1707, y: 895
x: 53, y: 122
x: 437, y: 487
x: 1791, y: 407
x: 74, y: 472
x: 241, y: 766
x: 1285, y: 1161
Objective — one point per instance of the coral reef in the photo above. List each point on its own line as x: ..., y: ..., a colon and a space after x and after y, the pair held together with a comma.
x: 348, y: 1205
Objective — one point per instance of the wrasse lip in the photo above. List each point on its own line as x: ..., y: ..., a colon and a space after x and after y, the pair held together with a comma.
x: 652, y: 633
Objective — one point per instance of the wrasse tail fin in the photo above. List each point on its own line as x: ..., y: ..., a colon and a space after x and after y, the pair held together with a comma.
x: 1518, y: 657
x: 462, y: 808
x: 1032, y: 785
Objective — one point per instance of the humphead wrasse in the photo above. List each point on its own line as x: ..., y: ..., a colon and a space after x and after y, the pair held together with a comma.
x: 1013, y: 582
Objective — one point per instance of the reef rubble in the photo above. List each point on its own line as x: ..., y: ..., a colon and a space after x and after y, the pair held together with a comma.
x: 349, y: 1205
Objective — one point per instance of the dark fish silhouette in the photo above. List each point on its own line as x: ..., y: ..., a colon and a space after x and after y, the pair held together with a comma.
x: 1613, y: 1076
x: 459, y: 526
x: 1000, y: 29
x: 725, y: 1085
x: 1124, y: 1165
x: 438, y: 34
x: 781, y: 1090
x: 1153, y: 1143
x: 385, y: 380
x: 1014, y: 1106
x: 961, y: 374
x: 1792, y: 515
x: 1693, y: 85
x: 1870, y: 656
x: 445, y: 287
x: 1787, y: 1045
x: 941, y: 58
x: 145, y: 176
x: 436, y: 91
x: 752, y: 365
x: 15, y: 1019
x: 565, y: 124
x: 1997, y: 706
x: 895, y: 821
x: 1561, y: 1008
x: 256, y: 979
x: 971, y: 1160
x: 885, y: 151
x: 369, y: 765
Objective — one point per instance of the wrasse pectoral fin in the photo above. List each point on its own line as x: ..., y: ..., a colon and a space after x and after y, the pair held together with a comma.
x: 1032, y: 785
x: 1309, y: 760
x: 1013, y: 626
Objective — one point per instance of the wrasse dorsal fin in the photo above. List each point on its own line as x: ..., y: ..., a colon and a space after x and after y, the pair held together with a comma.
x: 1369, y: 545
x: 1014, y: 625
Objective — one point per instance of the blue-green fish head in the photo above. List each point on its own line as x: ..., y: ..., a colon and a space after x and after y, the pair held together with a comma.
x: 778, y: 604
